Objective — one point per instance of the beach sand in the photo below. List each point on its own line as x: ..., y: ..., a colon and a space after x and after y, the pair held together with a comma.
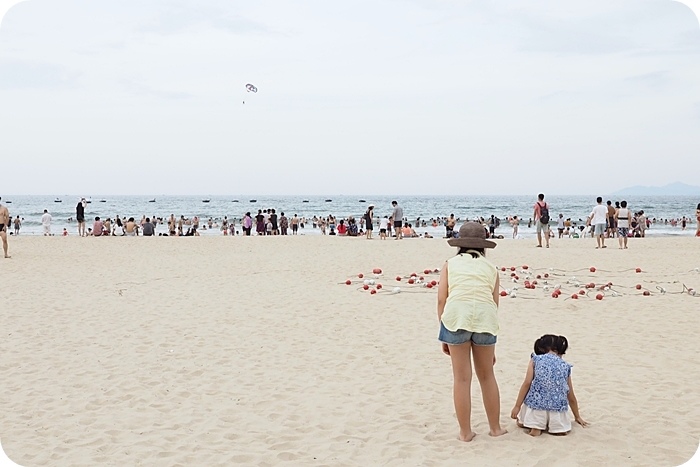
x: 221, y: 351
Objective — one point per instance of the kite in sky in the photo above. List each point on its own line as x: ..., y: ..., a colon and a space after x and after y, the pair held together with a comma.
x: 251, y: 88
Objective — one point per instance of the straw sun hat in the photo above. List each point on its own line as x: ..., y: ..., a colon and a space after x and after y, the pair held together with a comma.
x: 471, y: 235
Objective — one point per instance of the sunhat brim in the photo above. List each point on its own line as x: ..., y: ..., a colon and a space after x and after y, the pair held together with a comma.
x: 471, y: 242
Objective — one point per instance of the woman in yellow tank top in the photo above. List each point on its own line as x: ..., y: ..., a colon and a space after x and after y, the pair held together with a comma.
x: 468, y: 313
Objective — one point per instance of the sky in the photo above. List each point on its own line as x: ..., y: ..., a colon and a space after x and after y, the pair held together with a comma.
x: 413, y: 97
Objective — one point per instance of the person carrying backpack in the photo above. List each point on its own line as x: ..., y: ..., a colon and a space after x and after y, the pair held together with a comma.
x: 541, y: 216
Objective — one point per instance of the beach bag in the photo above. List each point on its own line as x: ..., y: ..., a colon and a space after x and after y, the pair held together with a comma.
x: 544, y: 214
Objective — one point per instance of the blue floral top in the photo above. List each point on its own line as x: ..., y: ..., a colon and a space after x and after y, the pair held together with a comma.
x: 549, y: 388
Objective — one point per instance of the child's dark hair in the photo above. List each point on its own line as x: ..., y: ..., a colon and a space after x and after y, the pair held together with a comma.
x: 550, y: 342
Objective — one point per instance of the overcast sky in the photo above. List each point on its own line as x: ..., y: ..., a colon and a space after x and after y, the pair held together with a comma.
x: 356, y: 97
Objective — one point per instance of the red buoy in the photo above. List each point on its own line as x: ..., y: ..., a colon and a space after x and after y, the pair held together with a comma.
x: 646, y: 293
x: 433, y: 283
x: 376, y: 271
x: 426, y: 271
x: 555, y: 295
x: 372, y: 291
x: 638, y: 270
x: 398, y: 278
x: 599, y: 296
x: 348, y: 282
x: 574, y: 296
x: 411, y: 281
x: 360, y: 275
x: 365, y: 286
x: 429, y: 285
x: 638, y: 286
x: 582, y: 292
x: 379, y: 286
x: 503, y: 293
x: 592, y: 269
x: 525, y: 266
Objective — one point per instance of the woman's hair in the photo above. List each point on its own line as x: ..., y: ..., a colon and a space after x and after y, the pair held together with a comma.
x: 550, y: 342
x: 698, y: 206
x: 471, y: 251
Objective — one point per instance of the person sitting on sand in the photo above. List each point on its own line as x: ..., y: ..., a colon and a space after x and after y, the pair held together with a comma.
x: 467, y: 310
x: 545, y: 395
x: 130, y: 227
x: 342, y: 228
x: 97, y: 227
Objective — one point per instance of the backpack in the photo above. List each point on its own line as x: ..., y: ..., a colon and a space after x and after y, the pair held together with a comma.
x: 544, y: 214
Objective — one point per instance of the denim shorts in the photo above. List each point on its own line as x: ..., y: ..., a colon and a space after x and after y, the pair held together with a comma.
x: 462, y: 336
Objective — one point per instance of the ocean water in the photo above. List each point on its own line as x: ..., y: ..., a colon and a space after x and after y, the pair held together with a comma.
x: 30, y: 209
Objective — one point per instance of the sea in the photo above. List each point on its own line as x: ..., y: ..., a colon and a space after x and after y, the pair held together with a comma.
x: 577, y: 208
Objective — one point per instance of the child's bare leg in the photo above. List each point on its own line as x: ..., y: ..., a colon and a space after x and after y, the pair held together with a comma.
x: 483, y: 366
x: 462, y: 372
x: 534, y: 432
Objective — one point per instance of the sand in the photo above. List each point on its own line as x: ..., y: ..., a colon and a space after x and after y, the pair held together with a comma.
x: 221, y: 351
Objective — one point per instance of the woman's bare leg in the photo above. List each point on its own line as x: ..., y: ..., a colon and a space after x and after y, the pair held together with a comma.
x: 462, y: 372
x: 483, y: 366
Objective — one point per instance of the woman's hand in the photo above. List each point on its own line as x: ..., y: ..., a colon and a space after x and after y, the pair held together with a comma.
x: 445, y: 349
x: 514, y: 413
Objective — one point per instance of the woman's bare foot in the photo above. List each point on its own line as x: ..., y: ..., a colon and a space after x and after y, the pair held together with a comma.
x: 499, y: 432
x: 466, y: 437
x: 535, y: 432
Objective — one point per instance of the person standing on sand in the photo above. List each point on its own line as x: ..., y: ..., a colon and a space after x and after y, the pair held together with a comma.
x: 611, y: 220
x: 4, y: 224
x: 697, y: 221
x: 18, y: 225
x: 622, y: 220
x: 598, y: 219
x: 80, y: 216
x: 398, y: 219
x: 369, y: 221
x: 467, y: 310
x: 46, y: 223
x: 541, y: 216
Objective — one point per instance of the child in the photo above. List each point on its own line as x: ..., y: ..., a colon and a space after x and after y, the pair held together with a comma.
x: 544, y: 398
x: 383, y: 225
x: 467, y: 310
x: 515, y: 222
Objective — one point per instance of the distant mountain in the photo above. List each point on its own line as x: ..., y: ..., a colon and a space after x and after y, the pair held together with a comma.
x: 672, y: 189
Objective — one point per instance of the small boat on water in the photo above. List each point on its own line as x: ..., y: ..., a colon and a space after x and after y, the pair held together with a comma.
x: 8, y: 202
x: 89, y: 200
x: 329, y: 200
x: 362, y: 201
x: 57, y: 200
x: 253, y: 200
x: 103, y: 201
x: 152, y: 200
x: 305, y: 201
x: 234, y: 201
x: 205, y: 200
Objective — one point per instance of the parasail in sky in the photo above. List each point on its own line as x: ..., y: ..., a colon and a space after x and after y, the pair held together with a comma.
x: 250, y: 88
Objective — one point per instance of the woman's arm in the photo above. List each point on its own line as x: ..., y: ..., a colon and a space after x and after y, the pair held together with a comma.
x: 573, y: 403
x: 496, y: 290
x: 443, y: 289
x: 524, y: 388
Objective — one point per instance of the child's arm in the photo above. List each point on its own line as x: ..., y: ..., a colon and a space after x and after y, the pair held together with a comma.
x: 529, y: 375
x: 573, y: 403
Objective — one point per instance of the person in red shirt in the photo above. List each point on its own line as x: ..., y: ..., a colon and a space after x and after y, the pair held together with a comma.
x: 342, y: 228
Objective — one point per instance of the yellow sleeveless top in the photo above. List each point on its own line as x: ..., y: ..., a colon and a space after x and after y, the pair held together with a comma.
x: 470, y: 304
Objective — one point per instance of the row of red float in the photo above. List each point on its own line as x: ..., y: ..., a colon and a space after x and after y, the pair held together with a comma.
x: 413, y: 279
x: 602, y: 289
